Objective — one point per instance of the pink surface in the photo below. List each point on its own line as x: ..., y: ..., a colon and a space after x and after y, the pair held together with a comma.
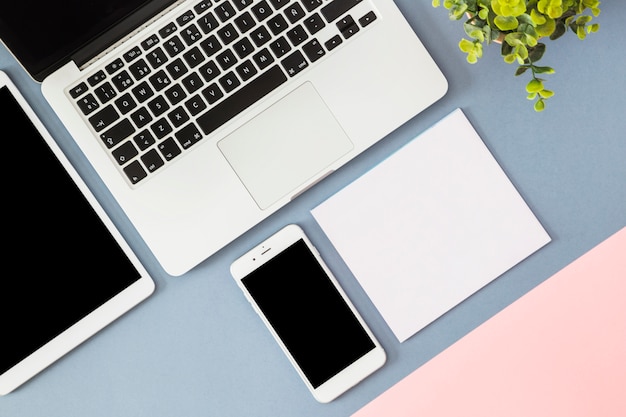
x: 559, y: 351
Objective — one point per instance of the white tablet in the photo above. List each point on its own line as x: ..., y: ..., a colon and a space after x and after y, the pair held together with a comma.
x: 72, y: 273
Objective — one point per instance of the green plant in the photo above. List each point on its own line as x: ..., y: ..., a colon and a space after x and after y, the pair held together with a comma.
x: 520, y: 26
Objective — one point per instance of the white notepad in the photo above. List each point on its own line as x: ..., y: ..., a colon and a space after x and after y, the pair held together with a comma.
x: 430, y: 225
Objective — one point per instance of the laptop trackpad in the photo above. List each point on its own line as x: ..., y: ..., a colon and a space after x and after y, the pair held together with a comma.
x: 291, y: 142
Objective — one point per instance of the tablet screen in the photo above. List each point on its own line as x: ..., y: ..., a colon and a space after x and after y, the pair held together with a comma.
x: 60, y: 260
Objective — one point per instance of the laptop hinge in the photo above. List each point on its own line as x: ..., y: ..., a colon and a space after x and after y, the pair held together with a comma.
x: 123, y: 31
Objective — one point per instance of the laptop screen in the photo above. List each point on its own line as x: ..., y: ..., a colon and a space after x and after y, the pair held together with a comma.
x: 44, y: 34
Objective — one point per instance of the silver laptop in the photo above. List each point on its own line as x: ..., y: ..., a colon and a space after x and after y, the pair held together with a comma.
x: 203, y: 117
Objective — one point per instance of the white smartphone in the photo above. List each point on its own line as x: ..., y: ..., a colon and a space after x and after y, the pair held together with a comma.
x: 308, y: 313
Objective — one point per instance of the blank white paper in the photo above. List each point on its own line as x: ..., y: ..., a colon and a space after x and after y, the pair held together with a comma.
x: 430, y: 225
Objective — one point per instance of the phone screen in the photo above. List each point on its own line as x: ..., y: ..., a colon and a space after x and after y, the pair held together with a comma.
x: 308, y: 313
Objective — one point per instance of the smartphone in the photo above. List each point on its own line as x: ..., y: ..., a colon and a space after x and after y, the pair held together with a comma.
x: 307, y: 312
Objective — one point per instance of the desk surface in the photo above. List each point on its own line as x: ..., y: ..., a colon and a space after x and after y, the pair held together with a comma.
x: 195, y: 347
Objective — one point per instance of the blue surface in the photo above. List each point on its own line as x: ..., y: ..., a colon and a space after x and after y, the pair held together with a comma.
x: 196, y: 348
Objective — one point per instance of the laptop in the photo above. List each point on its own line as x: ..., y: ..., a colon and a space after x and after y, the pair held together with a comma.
x: 204, y: 117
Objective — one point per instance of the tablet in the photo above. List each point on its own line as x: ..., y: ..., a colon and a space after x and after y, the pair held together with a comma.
x: 72, y: 273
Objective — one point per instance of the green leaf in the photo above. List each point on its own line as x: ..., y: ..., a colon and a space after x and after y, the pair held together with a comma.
x: 543, y: 70
x: 506, y: 22
x: 559, y: 30
x: 506, y: 49
x: 466, y: 45
x: 525, y: 18
x: 546, y: 93
x: 535, y: 53
x: 534, y: 86
x: 521, y: 69
x: 540, y: 105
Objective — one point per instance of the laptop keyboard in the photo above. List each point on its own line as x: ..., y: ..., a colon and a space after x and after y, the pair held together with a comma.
x: 171, y: 89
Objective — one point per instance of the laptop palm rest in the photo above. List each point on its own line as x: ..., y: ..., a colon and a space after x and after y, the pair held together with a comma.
x: 291, y: 142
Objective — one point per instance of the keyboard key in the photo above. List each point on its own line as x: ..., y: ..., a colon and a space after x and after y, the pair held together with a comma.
x: 261, y: 10
x: 195, y: 105
x: 178, y: 116
x: 225, y: 11
x: 333, y: 42
x: 96, y: 78
x: 185, y: 18
x: 228, y: 34
x: 194, y: 57
x: 104, y: 118
x: 314, y: 23
x: 158, y: 106
x: 169, y: 149
x: 132, y: 54
x: 311, y: 5
x: 114, y: 66
x: 174, y: 46
x: 260, y: 36
x: 295, y: 63
x: 168, y: 30
x: 202, y: 7
x: 79, y: 90
x: 141, y: 117
x: 243, y: 48
x: 188, y: 136
x: 211, y: 45
x: 175, y: 94
x: 347, y: 26
x: 117, y: 133
x: 367, y: 19
x: 88, y: 104
x: 208, y: 23
x: 297, y: 35
x: 144, y: 140
x: 139, y: 69
x: 277, y: 24
x: 161, y: 128
x: 150, y: 42
x: 280, y: 47
x: 160, y: 80
x: 246, y: 70
x: 337, y: 8
x: 135, y: 172
x: 294, y: 12
x: 152, y: 160
x: 177, y: 68
x: 105, y: 92
x: 242, y: 4
x: 229, y: 82
x: 191, y: 34
x: 241, y: 99
x: 313, y: 50
x: 212, y: 93
x: 245, y: 22
x: 192, y: 83
x: 279, y: 3
x: 125, y: 103
x: 125, y: 152
x: 156, y: 58
x: 209, y: 71
x: 263, y: 58
x: 226, y: 59
x: 122, y: 81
